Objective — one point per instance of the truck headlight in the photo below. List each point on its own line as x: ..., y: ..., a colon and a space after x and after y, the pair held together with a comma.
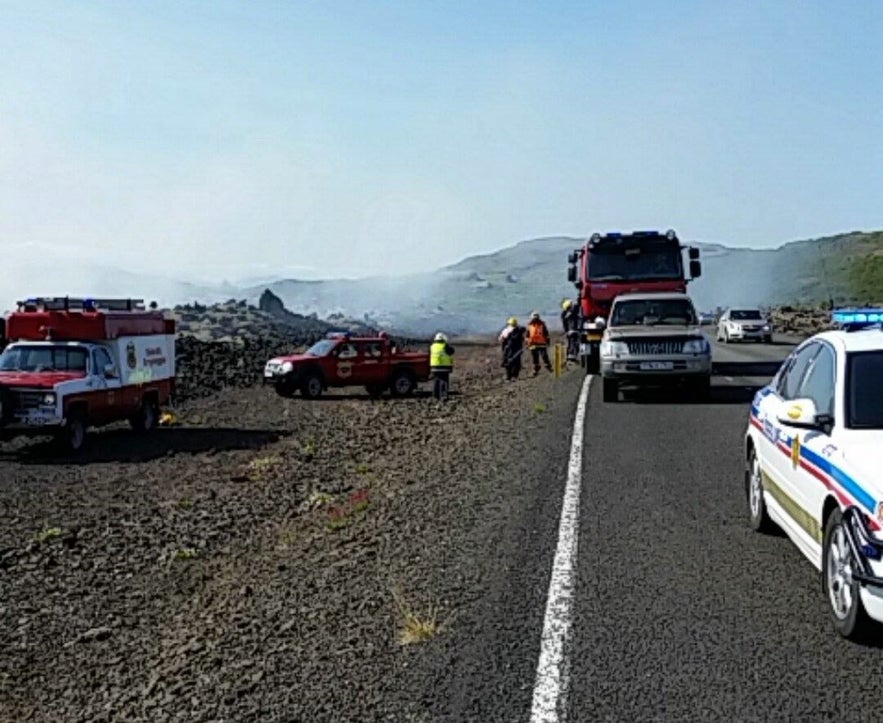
x: 766, y: 327
x: 287, y: 367
x: 696, y: 346
x: 614, y: 348
x: 49, y: 399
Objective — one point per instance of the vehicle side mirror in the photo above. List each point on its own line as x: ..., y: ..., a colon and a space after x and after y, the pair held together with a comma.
x: 695, y: 269
x: 803, y: 414
x: 693, y: 253
x: 571, y: 258
x: 571, y: 273
x: 110, y: 371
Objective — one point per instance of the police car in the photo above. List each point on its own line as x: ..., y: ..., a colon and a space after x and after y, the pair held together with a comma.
x: 814, y: 454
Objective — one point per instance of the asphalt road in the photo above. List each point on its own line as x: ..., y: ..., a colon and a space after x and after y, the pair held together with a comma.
x: 679, y: 611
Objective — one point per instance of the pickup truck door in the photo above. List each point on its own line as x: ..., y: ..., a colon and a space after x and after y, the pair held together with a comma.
x: 106, y: 403
x: 373, y: 363
x: 345, y: 361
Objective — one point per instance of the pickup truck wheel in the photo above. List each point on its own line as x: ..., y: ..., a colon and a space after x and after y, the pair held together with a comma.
x: 285, y: 388
x: 611, y: 390
x: 842, y: 591
x: 375, y: 390
x: 71, y: 437
x: 146, y: 417
x: 311, y: 387
x: 701, y: 389
x: 402, y: 383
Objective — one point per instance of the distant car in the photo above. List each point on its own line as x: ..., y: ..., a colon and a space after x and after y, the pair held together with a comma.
x: 744, y: 323
x: 706, y: 318
x: 654, y: 339
x: 813, y: 451
x: 341, y: 360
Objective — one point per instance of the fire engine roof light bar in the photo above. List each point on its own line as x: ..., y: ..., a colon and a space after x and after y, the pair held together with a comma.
x: 853, y: 319
x: 66, y: 303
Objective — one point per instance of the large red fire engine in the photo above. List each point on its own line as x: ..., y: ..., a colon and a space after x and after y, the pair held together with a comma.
x: 75, y: 363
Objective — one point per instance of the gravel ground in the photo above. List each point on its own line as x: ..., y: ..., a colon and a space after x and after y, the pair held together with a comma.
x: 261, y: 560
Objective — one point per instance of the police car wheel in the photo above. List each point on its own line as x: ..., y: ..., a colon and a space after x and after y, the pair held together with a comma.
x: 842, y: 592
x: 758, y: 519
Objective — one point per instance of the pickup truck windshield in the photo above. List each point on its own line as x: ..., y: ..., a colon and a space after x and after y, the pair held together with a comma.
x: 864, y: 393
x: 652, y: 312
x: 635, y: 264
x: 321, y: 348
x: 746, y: 315
x: 33, y: 358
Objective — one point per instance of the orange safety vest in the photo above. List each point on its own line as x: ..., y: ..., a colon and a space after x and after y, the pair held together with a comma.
x: 537, y: 334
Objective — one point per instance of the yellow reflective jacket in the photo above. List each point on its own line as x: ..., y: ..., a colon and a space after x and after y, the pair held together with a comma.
x: 441, y: 355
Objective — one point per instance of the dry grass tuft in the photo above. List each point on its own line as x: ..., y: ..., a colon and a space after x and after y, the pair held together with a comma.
x: 416, y: 626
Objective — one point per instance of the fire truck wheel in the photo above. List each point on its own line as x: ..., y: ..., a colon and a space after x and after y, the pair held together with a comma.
x: 72, y: 436
x: 147, y: 416
x: 402, y: 383
x: 311, y: 387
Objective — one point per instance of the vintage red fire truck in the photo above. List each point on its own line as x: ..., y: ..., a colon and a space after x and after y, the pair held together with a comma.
x: 76, y: 363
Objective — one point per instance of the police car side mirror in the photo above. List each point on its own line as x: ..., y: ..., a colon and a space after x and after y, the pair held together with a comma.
x: 802, y: 414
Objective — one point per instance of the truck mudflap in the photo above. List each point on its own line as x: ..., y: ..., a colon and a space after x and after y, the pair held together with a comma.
x: 864, y: 546
x: 590, y: 348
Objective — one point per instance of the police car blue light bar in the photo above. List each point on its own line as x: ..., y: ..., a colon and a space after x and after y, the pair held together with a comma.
x: 857, y: 317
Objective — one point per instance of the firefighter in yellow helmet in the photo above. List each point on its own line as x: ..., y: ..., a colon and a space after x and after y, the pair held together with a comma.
x: 570, y: 324
x: 441, y: 364
x: 538, y: 342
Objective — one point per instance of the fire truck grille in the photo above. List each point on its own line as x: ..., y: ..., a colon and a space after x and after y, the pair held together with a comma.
x: 648, y: 347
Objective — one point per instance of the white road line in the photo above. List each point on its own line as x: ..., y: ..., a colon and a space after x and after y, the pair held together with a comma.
x: 550, y: 689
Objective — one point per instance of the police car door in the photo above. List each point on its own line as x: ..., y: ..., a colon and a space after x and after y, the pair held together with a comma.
x: 776, y: 440
x: 812, y: 450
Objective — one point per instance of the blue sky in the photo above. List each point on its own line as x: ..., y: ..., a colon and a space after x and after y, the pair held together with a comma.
x: 227, y: 139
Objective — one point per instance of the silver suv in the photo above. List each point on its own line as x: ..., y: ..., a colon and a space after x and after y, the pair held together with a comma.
x: 654, y: 339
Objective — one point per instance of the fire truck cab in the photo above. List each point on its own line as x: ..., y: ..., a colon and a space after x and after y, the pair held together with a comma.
x: 617, y: 263
x: 76, y: 363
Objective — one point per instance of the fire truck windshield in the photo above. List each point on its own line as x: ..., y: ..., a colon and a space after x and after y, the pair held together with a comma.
x: 635, y: 264
x: 42, y: 357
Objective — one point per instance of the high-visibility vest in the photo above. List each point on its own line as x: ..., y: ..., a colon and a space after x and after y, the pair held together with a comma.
x: 537, y: 334
x: 439, y: 357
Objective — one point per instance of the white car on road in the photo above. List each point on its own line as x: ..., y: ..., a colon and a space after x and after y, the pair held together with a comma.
x: 814, y: 451
x: 740, y: 324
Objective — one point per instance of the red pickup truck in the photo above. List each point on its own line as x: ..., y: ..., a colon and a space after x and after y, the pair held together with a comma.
x: 341, y: 360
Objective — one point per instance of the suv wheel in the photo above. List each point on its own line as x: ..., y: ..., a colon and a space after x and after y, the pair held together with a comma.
x: 402, y: 383
x: 71, y: 437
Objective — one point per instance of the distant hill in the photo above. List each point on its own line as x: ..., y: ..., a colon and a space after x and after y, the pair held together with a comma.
x: 479, y: 292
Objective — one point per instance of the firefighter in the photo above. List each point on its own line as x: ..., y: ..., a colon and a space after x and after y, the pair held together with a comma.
x: 512, y: 340
x: 441, y: 363
x: 538, y: 342
x: 570, y: 323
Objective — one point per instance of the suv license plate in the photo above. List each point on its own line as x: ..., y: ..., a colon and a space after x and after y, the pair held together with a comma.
x: 657, y: 366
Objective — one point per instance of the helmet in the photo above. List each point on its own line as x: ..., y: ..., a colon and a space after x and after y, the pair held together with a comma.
x: 512, y: 321
x: 566, y: 304
x: 535, y: 315
x: 440, y: 337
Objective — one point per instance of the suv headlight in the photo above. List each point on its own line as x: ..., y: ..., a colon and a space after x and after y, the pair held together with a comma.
x: 696, y: 346
x: 614, y: 348
x: 49, y: 399
x: 766, y: 327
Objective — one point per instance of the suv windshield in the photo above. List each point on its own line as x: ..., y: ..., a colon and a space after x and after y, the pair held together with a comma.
x: 648, y: 312
x: 321, y: 348
x: 746, y: 314
x: 634, y: 264
x: 33, y: 358
x: 864, y: 393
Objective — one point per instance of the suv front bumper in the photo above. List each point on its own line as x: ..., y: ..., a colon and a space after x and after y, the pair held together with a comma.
x: 638, y: 368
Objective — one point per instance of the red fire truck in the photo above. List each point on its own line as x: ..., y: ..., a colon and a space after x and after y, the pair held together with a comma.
x: 618, y: 263
x: 75, y: 363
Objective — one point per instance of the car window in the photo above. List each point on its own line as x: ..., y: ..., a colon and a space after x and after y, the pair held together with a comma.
x: 864, y: 393
x: 792, y: 376
x: 818, y: 383
x: 347, y: 351
x: 102, y: 359
x: 372, y: 350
